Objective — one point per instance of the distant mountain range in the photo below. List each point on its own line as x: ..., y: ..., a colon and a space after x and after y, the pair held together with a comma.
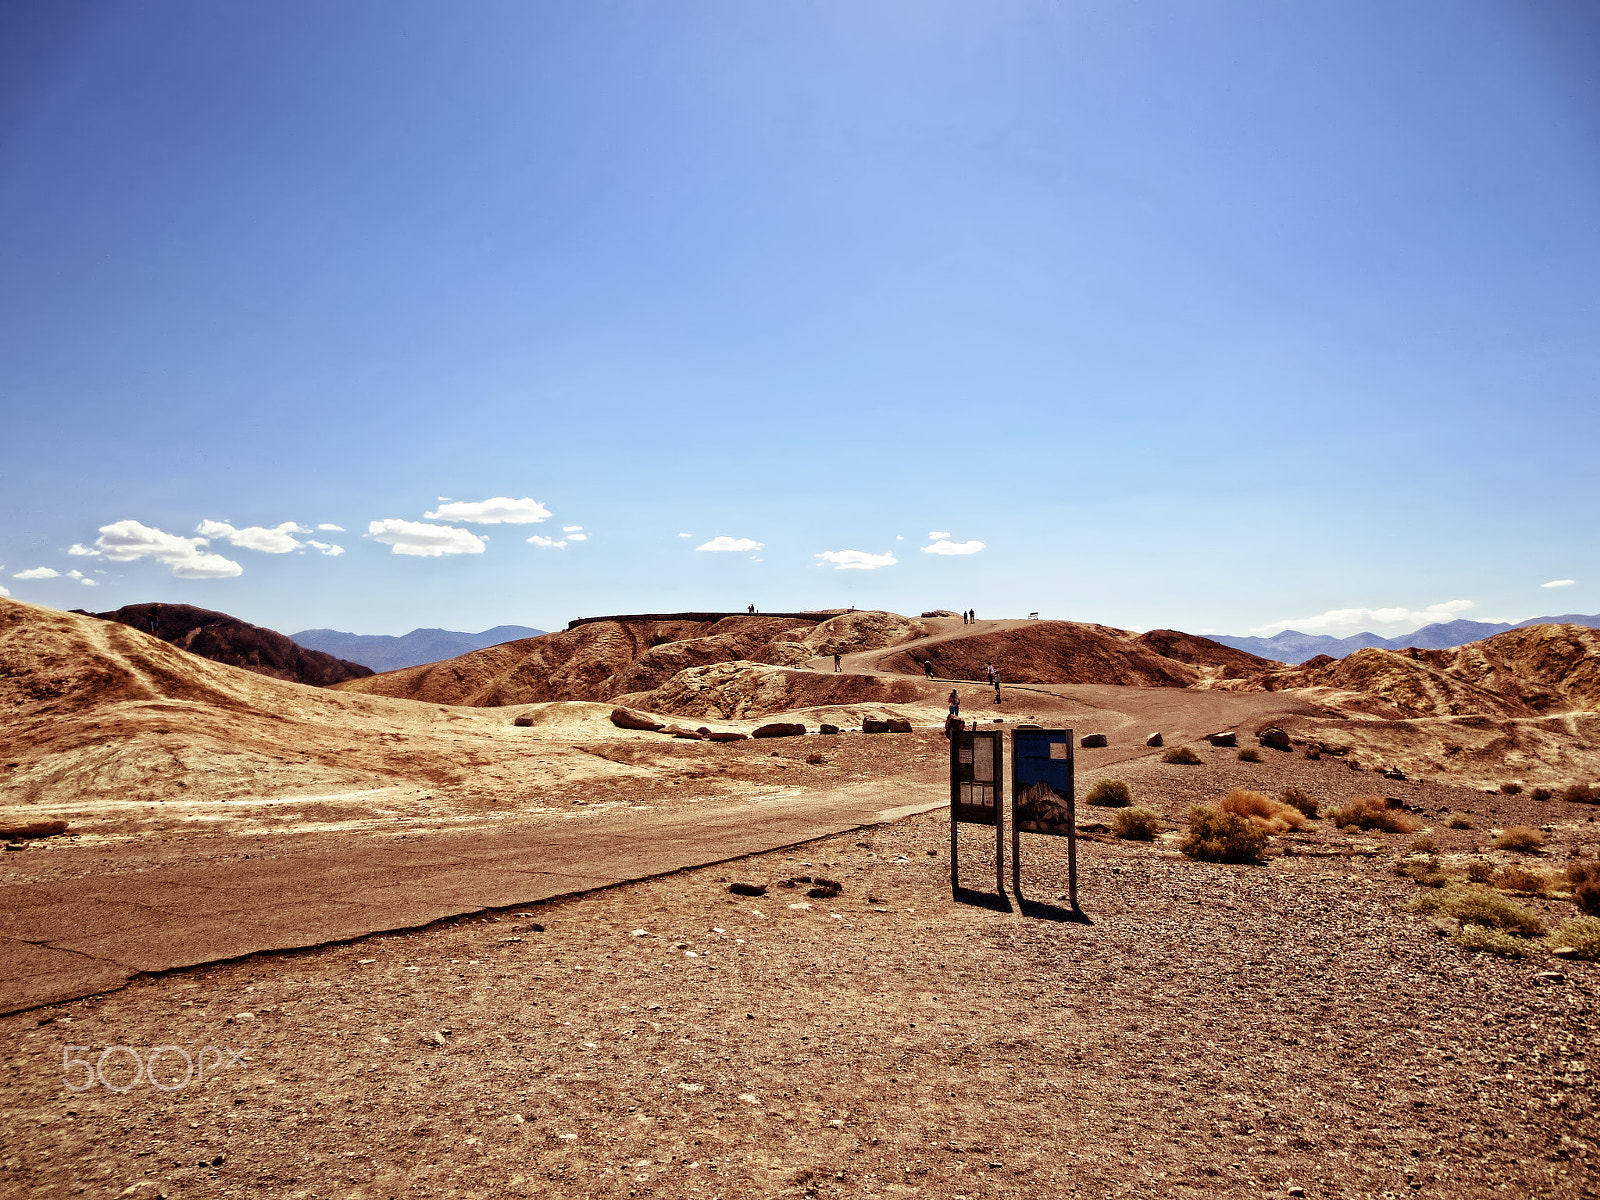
x: 1291, y: 646
x: 383, y: 652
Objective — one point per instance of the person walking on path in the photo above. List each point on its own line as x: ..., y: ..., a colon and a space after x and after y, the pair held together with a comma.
x: 836, y: 667
x: 927, y: 667
x: 989, y: 671
x: 955, y: 703
x: 995, y: 679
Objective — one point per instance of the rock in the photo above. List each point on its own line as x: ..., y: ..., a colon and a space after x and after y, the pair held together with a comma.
x: 898, y: 725
x: 1549, y: 977
x: 726, y: 735
x: 828, y: 883
x: 941, y: 612
x: 37, y: 829
x: 869, y: 725
x: 748, y: 889
x: 1224, y: 739
x: 1094, y: 741
x: 16, y: 845
x: 523, y: 722
x: 683, y: 731
x: 627, y: 718
x: 823, y: 893
x: 1393, y: 802
x: 1273, y: 738
x: 1395, y: 773
x: 1155, y: 739
x: 1295, y: 1191
x: 827, y: 729
x: 778, y: 729
x: 432, y: 1039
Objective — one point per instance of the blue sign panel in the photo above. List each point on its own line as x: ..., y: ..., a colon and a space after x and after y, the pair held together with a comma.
x: 1042, y: 781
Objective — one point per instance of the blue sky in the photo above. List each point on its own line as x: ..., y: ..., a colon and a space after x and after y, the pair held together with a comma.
x: 1210, y: 315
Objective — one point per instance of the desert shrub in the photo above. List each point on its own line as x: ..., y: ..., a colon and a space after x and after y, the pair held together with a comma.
x: 1217, y: 836
x: 1478, y: 906
x: 1521, y: 839
x: 815, y: 760
x: 1425, y: 871
x: 1110, y: 793
x: 1424, y: 845
x: 1295, y: 798
x: 1371, y: 812
x: 1511, y: 789
x: 1480, y: 870
x: 1581, y: 793
x: 1542, y: 793
x: 1272, y: 815
x: 1585, y: 880
x: 1519, y: 879
x: 1136, y: 824
x: 1249, y: 754
x: 1493, y: 941
x: 1181, y: 755
x: 1459, y: 821
x: 1580, y: 935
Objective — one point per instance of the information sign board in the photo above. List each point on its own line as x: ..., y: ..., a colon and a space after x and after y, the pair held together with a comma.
x: 975, y: 776
x: 1042, y: 781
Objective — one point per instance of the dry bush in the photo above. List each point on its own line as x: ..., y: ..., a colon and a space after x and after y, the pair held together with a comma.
x: 1585, y: 880
x: 816, y: 760
x: 1271, y: 815
x: 1581, y: 793
x: 1511, y: 789
x: 1542, y: 793
x: 1425, y: 871
x: 1181, y: 755
x: 1424, y: 845
x: 1580, y: 935
x: 1136, y: 824
x: 1459, y: 821
x: 1520, y: 838
x: 1493, y: 941
x: 1110, y: 793
x: 1480, y: 870
x: 1520, y: 879
x: 1216, y: 836
x: 1478, y: 906
x: 1249, y: 754
x: 1371, y: 812
x: 1295, y: 798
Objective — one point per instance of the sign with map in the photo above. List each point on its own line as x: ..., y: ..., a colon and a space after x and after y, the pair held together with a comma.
x: 1042, y: 781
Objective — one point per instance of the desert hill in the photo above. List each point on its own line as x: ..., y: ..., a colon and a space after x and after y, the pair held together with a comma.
x: 1071, y: 652
x: 226, y: 639
x: 1292, y: 646
x: 383, y: 652
x: 1524, y: 672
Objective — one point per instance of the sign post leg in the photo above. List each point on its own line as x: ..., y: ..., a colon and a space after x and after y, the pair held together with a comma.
x: 1072, y: 848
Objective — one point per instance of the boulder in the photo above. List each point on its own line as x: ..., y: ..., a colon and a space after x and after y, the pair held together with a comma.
x: 1155, y: 739
x: 1273, y: 738
x: 37, y: 829
x: 726, y: 735
x: 683, y: 731
x: 1224, y: 739
x: 898, y: 725
x: 827, y: 729
x: 748, y: 889
x: 626, y: 718
x: 941, y: 612
x: 778, y: 729
x: 523, y: 722
x: 1094, y: 741
x: 870, y: 725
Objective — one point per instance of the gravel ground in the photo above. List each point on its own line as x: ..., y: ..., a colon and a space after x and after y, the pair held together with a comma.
x: 1217, y: 1030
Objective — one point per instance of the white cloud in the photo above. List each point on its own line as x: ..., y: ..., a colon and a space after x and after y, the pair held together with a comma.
x: 330, y: 528
x: 78, y: 550
x: 686, y: 535
x: 277, y: 540
x: 933, y: 533
x: 579, y: 537
x: 571, y: 528
x: 497, y: 510
x: 724, y: 542
x: 83, y: 579
x: 423, y: 541
x: 856, y: 560
x: 1559, y: 583
x: 945, y: 546
x: 325, y: 547
x: 127, y: 541
x: 547, y: 543
x: 1352, y: 620
x: 38, y: 573
x: 3, y: 592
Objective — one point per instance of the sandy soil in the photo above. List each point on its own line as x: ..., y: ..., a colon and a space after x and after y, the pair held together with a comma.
x: 1217, y: 1030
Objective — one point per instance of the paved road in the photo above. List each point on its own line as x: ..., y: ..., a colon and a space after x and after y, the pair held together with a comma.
x: 63, y: 940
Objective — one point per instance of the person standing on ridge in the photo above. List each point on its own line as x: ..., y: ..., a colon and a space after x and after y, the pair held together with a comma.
x: 836, y: 663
